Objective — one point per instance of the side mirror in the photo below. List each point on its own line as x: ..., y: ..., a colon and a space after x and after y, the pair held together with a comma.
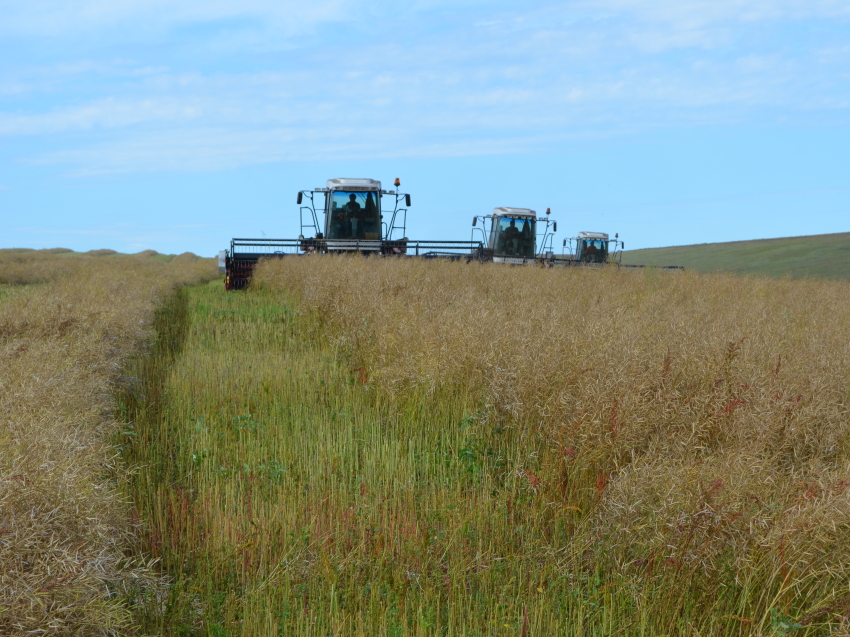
x: 300, y: 197
x: 407, y: 200
x: 555, y: 227
x: 474, y: 221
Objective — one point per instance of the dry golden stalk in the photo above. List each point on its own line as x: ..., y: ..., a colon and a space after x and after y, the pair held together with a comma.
x: 66, y: 537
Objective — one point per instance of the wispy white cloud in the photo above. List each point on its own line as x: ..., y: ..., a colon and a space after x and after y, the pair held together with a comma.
x: 506, y: 98
x: 428, y: 79
x: 223, y: 122
x: 143, y: 19
x: 108, y: 113
x: 58, y: 18
x: 695, y: 14
x: 212, y: 150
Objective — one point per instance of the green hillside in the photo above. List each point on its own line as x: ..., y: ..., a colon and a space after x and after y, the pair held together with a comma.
x: 824, y: 255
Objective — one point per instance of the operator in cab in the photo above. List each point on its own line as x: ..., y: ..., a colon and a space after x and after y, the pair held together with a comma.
x: 352, y: 206
x: 510, y: 238
x: 354, y: 215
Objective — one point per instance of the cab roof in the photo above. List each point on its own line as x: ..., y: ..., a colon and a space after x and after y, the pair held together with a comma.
x: 506, y: 211
x: 593, y: 235
x: 350, y: 183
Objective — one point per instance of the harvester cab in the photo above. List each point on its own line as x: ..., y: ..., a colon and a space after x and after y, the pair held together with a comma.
x: 516, y: 235
x: 353, y: 217
x: 595, y: 248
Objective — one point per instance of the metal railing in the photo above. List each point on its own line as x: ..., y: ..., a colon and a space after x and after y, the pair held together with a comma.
x: 254, y: 249
x: 443, y: 249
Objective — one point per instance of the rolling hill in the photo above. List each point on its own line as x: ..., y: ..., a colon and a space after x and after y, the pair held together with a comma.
x: 824, y: 256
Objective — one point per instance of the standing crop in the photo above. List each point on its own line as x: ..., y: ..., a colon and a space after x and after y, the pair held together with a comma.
x: 375, y: 447
x: 67, y: 565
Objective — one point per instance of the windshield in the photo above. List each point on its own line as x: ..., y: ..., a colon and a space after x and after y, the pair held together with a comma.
x: 515, y: 237
x: 353, y: 215
x: 593, y: 250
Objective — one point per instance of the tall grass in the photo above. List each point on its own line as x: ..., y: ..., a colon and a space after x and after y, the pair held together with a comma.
x: 387, y: 447
x: 67, y: 542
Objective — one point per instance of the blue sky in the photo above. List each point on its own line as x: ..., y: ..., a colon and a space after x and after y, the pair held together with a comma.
x: 177, y: 125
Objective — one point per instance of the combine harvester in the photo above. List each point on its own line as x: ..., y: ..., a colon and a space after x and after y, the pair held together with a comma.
x: 352, y: 221
x: 595, y: 248
x: 515, y: 236
x: 512, y: 235
x: 347, y: 216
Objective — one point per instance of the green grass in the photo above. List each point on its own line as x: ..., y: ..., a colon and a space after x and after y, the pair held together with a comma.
x: 283, y: 495
x: 285, y: 499
x: 826, y: 256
